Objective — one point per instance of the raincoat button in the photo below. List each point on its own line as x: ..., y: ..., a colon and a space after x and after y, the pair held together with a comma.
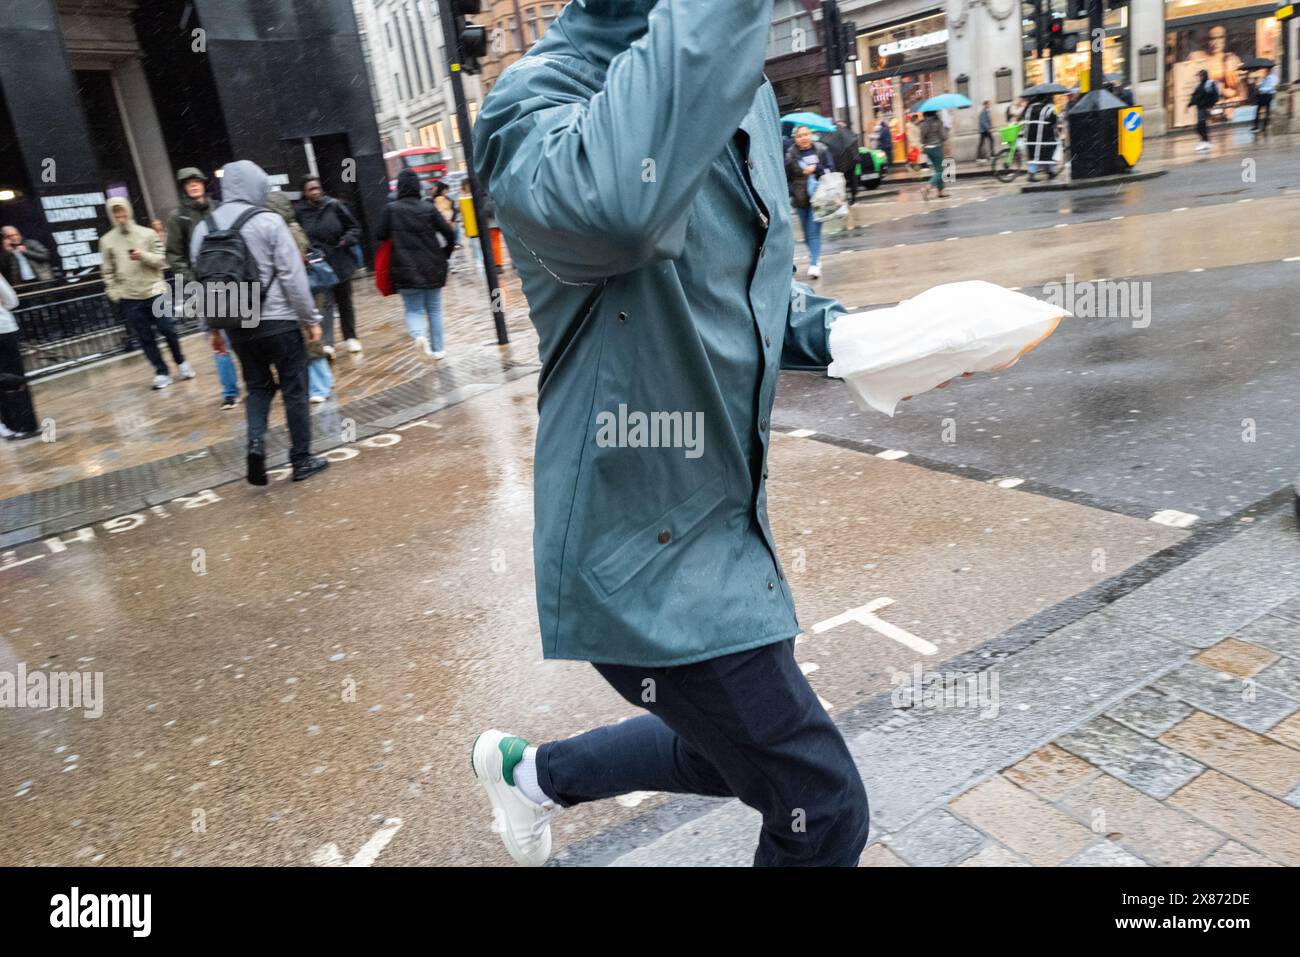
x: 767, y: 341
x: 762, y: 425
x: 771, y: 586
x: 622, y: 317
x: 763, y: 219
x: 665, y: 537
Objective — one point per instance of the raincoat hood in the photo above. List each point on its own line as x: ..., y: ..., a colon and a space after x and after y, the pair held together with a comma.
x: 243, y: 181
x: 408, y: 184
x: 116, y: 202
x: 280, y: 203
x: 602, y: 29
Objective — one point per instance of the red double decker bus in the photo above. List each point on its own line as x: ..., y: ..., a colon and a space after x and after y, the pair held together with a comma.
x: 427, y: 162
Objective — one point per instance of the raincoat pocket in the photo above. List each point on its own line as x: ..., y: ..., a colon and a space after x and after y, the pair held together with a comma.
x: 666, y: 532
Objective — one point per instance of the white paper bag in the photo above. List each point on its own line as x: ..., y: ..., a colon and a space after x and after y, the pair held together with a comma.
x: 886, y: 355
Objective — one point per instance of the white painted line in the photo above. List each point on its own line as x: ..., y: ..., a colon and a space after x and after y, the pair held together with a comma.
x: 1292, y: 259
x: 633, y: 798
x: 1174, y: 518
x: 891, y: 455
x: 329, y: 855
x: 864, y: 615
x: 801, y: 433
x: 1009, y: 482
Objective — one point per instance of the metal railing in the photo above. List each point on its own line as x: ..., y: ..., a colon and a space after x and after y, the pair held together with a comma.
x: 62, y: 325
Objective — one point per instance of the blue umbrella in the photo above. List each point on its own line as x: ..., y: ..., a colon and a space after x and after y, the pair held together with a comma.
x: 944, y: 101
x: 814, y: 121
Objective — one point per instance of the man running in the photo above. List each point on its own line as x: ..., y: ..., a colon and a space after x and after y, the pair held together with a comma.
x: 640, y: 183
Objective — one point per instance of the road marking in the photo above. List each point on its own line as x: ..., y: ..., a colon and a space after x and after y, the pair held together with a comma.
x: 329, y: 855
x: 633, y: 798
x: 1174, y: 518
x: 1292, y: 259
x: 801, y: 433
x: 891, y: 455
x: 863, y: 615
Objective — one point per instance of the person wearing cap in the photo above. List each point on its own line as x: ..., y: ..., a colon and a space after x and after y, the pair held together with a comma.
x: 180, y: 227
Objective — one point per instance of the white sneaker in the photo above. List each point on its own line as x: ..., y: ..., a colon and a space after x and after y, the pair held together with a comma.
x: 186, y: 371
x: 5, y: 431
x: 162, y: 381
x: 422, y: 344
x: 318, y: 399
x: 440, y: 354
x: 814, y: 272
x: 354, y: 345
x: 1202, y: 146
x: 524, y: 826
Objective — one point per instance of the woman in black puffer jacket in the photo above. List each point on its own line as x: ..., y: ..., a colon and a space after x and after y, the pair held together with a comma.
x: 422, y: 241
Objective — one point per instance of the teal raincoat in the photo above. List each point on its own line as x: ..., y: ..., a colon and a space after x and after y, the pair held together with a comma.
x: 635, y: 159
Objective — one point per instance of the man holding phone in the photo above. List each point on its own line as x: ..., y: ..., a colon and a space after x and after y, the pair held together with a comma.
x: 132, y: 266
x: 639, y: 180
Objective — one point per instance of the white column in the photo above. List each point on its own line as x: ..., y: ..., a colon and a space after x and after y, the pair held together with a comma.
x: 983, y: 37
x: 1146, y: 27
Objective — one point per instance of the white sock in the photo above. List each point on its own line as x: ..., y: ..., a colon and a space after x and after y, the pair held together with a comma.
x: 526, y: 777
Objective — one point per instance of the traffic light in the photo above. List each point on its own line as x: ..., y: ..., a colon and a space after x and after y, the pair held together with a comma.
x: 849, y: 41
x: 833, y: 31
x: 471, y: 39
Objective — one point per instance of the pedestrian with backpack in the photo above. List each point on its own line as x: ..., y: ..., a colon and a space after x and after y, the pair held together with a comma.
x: 180, y: 229
x: 1203, y: 98
x: 244, y: 246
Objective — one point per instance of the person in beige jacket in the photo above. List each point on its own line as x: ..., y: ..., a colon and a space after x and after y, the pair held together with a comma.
x: 132, y: 264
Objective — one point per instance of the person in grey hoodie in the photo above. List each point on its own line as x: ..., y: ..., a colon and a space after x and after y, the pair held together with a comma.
x: 274, y: 340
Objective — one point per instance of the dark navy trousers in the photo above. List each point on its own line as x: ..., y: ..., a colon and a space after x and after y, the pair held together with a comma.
x: 746, y: 725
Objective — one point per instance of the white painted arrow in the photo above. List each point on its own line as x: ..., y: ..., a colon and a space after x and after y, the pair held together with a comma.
x: 329, y: 855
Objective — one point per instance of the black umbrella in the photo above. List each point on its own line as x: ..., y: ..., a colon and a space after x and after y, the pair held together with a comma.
x: 1258, y: 63
x: 1045, y: 89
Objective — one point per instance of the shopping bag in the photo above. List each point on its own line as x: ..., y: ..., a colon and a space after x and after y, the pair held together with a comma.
x: 383, y: 265
x: 885, y: 355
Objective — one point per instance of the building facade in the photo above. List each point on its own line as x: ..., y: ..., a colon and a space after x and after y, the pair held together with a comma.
x: 912, y: 49
x: 406, y: 56
x: 110, y: 98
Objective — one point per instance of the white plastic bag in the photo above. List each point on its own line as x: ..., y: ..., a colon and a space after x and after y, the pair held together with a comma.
x: 888, y: 354
x: 831, y: 200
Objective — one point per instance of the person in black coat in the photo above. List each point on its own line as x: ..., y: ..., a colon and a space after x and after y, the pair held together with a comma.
x: 333, y: 230
x: 422, y: 241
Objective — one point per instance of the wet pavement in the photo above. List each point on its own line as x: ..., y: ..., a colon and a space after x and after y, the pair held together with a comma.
x: 293, y: 675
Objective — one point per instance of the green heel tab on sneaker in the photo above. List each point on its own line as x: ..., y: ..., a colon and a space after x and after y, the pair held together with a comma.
x: 512, y: 752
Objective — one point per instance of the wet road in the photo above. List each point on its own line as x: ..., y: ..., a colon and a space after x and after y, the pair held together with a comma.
x: 287, y: 670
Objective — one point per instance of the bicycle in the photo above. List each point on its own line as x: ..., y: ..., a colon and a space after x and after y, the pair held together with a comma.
x: 1008, y: 162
